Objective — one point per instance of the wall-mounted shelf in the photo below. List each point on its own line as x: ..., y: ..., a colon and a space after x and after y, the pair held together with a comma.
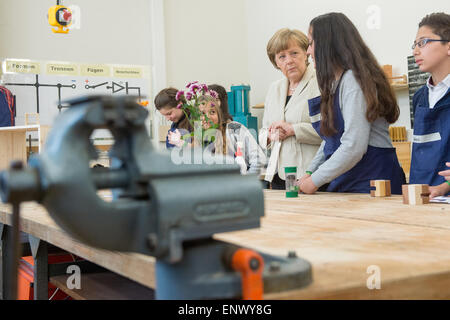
x: 400, y: 86
x: 258, y: 106
x: 13, y: 142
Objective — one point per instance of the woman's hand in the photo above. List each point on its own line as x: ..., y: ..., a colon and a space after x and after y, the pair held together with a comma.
x: 302, y: 179
x: 274, y: 133
x: 307, y: 185
x: 281, y: 130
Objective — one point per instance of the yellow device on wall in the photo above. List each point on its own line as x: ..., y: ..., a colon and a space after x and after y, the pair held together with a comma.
x: 61, y: 17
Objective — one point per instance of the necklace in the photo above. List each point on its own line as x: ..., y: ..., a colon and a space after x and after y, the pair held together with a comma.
x: 293, y: 89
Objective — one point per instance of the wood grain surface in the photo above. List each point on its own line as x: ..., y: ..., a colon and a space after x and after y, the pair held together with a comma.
x: 341, y: 235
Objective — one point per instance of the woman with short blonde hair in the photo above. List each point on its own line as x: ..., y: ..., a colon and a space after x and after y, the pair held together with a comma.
x: 280, y: 41
x: 286, y: 128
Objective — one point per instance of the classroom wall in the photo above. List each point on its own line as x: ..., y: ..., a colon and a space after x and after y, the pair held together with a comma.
x: 206, y: 40
x: 391, y: 43
x: 242, y: 57
x: 112, y: 31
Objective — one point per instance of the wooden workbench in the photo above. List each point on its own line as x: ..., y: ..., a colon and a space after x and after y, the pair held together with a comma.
x: 340, y: 234
x: 13, y: 142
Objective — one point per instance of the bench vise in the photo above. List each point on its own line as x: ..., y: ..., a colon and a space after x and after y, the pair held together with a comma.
x: 158, y: 208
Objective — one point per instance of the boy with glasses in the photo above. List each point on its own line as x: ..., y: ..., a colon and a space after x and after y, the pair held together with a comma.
x: 431, y: 140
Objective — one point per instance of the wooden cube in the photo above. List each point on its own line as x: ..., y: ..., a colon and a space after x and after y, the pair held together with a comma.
x: 415, y: 194
x: 382, y: 188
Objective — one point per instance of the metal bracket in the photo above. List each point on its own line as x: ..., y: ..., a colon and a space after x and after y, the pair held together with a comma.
x: 2, y: 260
x: 39, y: 251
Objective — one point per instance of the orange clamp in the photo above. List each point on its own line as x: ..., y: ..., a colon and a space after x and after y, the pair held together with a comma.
x: 251, y: 265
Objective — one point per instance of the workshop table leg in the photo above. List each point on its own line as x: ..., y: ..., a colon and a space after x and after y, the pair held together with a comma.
x: 39, y: 250
x: 8, y: 263
x: 2, y: 259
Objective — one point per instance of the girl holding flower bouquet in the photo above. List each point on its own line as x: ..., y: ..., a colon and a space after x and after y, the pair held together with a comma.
x: 166, y: 103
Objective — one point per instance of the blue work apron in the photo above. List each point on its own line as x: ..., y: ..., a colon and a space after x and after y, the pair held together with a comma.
x: 431, y: 140
x: 5, y: 112
x: 376, y: 164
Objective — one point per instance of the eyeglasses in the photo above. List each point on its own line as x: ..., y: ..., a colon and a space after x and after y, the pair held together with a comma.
x: 422, y: 42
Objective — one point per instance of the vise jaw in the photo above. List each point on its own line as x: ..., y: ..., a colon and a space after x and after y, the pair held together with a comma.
x: 157, y: 204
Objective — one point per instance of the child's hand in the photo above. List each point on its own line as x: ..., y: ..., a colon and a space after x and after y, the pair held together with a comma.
x: 308, y: 186
x: 174, y: 138
x: 446, y: 173
x: 440, y: 190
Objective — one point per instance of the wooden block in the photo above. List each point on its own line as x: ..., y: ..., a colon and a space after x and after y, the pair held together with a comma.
x: 397, y: 134
x: 382, y: 188
x: 403, y: 150
x: 415, y: 194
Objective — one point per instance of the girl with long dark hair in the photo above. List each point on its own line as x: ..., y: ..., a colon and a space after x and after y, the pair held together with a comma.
x: 352, y: 114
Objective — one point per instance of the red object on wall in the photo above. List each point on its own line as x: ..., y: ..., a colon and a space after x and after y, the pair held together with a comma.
x: 67, y: 16
x: 26, y: 277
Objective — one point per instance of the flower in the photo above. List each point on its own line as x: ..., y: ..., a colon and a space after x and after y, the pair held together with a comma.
x: 179, y: 95
x: 190, y: 84
x: 214, y: 94
x: 190, y: 101
x: 193, y: 88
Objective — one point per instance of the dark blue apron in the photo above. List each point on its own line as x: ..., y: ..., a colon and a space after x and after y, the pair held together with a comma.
x: 431, y: 141
x: 376, y: 164
x: 5, y: 112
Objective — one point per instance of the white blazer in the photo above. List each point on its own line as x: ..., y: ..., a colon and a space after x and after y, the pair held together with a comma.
x: 299, y: 150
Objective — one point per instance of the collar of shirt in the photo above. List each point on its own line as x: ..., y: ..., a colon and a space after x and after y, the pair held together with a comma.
x: 444, y: 83
x: 435, y: 93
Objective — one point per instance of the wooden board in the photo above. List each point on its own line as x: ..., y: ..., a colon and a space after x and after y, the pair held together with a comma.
x: 340, y: 234
x: 403, y: 150
x: 104, y: 286
x: 400, y: 86
x: 13, y: 147
x: 13, y: 142
x: 36, y: 221
x: 343, y: 234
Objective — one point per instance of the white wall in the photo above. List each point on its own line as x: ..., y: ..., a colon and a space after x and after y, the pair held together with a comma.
x: 391, y: 44
x: 225, y: 41
x: 112, y: 31
x: 206, y: 40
